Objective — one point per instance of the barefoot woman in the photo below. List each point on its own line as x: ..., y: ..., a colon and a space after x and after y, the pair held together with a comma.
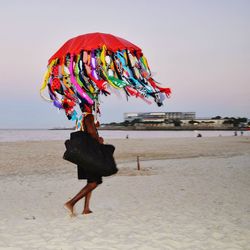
x: 92, y: 180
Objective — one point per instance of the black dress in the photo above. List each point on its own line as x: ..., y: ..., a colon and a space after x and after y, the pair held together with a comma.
x: 82, y: 174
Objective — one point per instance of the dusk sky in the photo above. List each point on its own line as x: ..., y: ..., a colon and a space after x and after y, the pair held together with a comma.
x: 201, y: 49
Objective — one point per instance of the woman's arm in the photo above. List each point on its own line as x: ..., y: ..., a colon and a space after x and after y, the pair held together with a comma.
x: 91, y: 129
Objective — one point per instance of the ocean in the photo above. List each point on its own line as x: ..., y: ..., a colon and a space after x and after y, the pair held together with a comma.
x: 45, y: 135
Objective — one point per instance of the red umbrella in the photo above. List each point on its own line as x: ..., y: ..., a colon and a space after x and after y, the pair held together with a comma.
x: 95, y: 63
x: 93, y: 41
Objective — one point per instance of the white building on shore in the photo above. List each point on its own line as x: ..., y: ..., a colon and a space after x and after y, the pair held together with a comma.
x: 179, y: 119
x: 158, y: 116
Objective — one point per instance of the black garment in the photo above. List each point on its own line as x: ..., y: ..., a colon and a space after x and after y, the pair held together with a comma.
x: 82, y: 175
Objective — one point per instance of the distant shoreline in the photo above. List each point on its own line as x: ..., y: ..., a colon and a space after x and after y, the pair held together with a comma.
x: 173, y: 129
x: 130, y: 128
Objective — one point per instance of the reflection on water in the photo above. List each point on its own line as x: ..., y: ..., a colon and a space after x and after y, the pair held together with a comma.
x: 44, y: 135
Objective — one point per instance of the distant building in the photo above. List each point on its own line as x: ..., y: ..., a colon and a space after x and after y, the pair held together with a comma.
x: 204, y: 122
x: 180, y: 115
x: 180, y: 120
x: 158, y: 116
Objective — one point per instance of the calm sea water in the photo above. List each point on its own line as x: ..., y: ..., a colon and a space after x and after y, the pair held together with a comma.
x: 44, y: 135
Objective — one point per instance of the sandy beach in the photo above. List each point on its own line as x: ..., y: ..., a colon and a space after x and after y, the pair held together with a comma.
x: 190, y: 194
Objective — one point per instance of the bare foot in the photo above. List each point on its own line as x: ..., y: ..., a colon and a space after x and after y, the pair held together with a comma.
x: 87, y: 211
x: 69, y: 207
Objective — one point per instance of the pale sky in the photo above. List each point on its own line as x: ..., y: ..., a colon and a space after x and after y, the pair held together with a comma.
x: 201, y: 49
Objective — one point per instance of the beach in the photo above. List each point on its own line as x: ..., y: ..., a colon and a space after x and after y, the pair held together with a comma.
x: 191, y: 193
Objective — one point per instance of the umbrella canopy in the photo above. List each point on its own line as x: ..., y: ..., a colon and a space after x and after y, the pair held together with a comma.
x: 97, y: 63
x: 93, y: 41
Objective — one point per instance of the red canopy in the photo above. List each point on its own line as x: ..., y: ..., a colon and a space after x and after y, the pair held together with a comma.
x: 94, y: 41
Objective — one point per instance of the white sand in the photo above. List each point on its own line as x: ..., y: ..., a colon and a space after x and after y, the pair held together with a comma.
x: 197, y: 196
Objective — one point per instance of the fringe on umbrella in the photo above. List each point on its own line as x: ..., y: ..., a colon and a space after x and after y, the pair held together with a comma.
x: 79, y: 79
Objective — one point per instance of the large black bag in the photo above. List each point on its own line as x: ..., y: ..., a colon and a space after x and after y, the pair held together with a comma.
x: 85, y: 151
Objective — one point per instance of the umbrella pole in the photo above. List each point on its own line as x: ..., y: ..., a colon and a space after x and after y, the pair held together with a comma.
x: 95, y: 113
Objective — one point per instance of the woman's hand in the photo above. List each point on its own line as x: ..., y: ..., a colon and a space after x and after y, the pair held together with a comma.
x: 100, y: 139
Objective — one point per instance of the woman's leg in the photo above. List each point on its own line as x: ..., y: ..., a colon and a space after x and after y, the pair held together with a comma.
x: 86, y: 209
x: 98, y: 181
x: 88, y: 188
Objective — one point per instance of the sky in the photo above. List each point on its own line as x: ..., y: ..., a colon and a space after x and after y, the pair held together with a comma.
x: 198, y: 48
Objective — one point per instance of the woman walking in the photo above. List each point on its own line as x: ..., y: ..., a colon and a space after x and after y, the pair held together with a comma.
x: 92, y: 180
